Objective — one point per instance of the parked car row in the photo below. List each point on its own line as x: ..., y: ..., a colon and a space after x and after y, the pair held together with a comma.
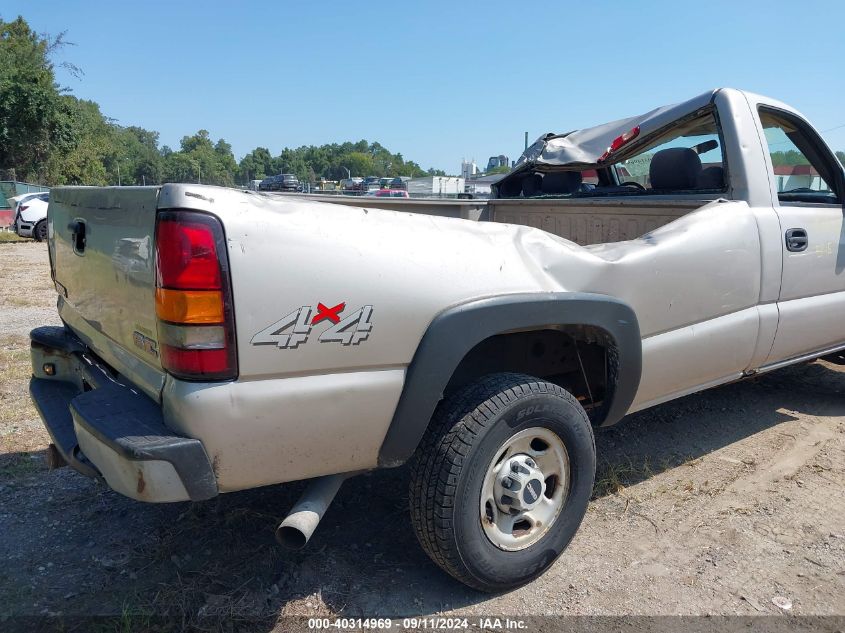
x: 352, y: 185
x: 374, y: 183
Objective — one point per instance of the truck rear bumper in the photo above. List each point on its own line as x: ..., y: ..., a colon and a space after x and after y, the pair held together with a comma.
x: 104, y: 428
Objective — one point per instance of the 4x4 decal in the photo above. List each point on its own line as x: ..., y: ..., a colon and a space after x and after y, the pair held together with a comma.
x: 293, y: 329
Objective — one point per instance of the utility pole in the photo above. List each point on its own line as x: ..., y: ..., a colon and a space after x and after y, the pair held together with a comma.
x: 526, y: 140
x: 118, y: 173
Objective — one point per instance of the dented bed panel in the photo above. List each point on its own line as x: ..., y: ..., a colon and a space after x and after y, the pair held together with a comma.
x: 590, y: 222
x: 697, y: 280
x: 703, y: 265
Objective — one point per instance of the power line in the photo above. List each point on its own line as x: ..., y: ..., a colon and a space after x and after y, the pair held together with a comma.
x: 833, y: 128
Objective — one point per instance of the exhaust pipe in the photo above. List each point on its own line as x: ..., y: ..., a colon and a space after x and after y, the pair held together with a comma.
x: 296, y: 530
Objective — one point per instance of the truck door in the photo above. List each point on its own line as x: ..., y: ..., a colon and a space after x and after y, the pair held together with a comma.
x: 809, y: 183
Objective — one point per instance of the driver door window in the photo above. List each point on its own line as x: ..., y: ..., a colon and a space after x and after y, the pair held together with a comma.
x: 800, y: 171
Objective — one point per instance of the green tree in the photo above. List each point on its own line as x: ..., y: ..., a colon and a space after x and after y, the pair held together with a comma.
x: 226, y: 163
x: 789, y: 157
x: 358, y: 163
x: 256, y: 165
x: 330, y: 161
x: 201, y: 160
x: 502, y: 169
x: 31, y: 113
x: 83, y: 148
x: 180, y: 167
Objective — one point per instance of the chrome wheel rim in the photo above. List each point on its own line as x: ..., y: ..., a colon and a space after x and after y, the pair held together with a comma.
x: 524, y: 489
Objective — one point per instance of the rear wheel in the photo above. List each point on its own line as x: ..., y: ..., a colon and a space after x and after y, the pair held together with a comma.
x: 40, y: 231
x: 502, y: 479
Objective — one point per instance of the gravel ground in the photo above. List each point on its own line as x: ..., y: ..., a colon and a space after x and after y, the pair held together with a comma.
x: 27, y: 297
x: 729, y: 502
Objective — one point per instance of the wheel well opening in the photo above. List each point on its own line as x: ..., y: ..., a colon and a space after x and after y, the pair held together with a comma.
x: 581, y: 359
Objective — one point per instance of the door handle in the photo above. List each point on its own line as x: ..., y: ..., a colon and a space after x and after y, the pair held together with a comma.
x: 796, y: 240
x: 77, y: 230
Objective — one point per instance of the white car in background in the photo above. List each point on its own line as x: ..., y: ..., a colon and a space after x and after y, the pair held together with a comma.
x: 31, y: 215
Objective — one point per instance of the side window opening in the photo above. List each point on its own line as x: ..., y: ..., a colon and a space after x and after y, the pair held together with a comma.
x: 801, y: 172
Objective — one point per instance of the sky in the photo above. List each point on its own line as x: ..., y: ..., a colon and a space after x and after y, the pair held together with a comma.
x: 436, y: 81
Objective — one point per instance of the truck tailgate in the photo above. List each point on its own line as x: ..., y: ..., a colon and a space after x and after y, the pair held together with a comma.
x: 102, y: 249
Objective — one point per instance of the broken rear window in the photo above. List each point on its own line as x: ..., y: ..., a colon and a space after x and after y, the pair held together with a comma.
x: 688, y: 157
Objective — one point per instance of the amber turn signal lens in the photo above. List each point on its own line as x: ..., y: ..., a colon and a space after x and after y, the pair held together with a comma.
x: 189, y: 306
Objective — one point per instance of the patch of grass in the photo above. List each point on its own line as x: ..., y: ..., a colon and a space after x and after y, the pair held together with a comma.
x: 134, y: 618
x: 207, y: 577
x: 24, y: 301
x: 14, y: 359
x: 612, y: 479
x: 10, y: 237
x: 20, y: 428
x: 18, y: 465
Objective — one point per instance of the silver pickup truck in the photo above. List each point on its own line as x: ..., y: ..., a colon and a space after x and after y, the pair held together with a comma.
x: 217, y: 340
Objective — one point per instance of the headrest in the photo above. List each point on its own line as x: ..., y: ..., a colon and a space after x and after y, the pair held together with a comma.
x: 562, y: 182
x: 674, y: 168
x: 711, y: 178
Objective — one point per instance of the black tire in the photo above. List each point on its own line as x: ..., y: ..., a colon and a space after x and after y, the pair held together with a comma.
x: 465, y: 434
x: 837, y: 358
x: 40, y: 231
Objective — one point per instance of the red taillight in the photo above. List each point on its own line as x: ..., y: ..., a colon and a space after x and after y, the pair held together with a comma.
x: 187, y: 254
x: 619, y: 141
x: 193, y: 297
x: 194, y: 362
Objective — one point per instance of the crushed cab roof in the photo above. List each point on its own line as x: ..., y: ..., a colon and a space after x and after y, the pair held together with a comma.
x: 585, y: 147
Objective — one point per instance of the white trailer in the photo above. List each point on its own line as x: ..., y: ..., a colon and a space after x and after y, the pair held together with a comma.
x: 436, y: 186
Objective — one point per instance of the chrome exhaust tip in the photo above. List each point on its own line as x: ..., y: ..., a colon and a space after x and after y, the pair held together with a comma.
x: 295, y: 531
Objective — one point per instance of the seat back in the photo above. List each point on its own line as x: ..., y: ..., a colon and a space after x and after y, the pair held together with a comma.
x: 561, y: 182
x: 675, y: 168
